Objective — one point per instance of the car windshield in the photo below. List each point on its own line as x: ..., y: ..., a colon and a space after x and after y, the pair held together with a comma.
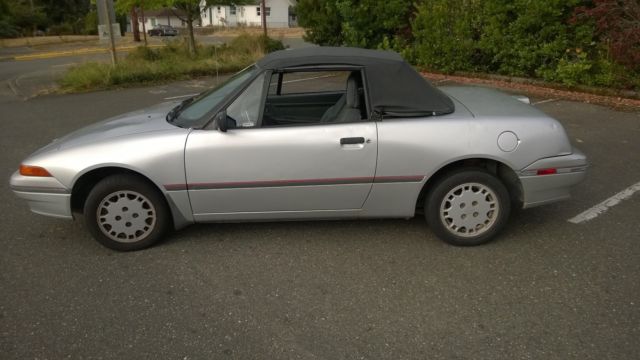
x: 198, y: 111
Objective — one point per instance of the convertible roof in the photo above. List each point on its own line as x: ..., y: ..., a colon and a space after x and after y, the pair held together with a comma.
x: 395, y: 88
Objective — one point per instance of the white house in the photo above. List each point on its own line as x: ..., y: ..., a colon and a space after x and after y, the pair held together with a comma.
x: 277, y: 14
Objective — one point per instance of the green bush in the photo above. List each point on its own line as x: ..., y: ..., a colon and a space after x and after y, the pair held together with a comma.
x: 363, y: 23
x: 255, y: 43
x: 270, y: 45
x: 146, y: 54
x: 446, y: 35
x: 540, y: 38
x: 322, y: 21
x: 60, y: 29
x: 368, y: 23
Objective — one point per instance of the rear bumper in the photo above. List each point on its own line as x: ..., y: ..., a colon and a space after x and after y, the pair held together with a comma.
x: 543, y: 189
x: 44, y: 195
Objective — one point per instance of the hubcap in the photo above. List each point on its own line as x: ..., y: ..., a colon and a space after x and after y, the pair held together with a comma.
x: 469, y: 209
x: 126, y: 216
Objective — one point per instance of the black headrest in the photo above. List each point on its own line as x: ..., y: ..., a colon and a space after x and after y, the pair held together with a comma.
x: 353, y: 84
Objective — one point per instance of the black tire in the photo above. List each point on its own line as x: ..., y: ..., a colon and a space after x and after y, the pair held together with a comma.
x: 470, y: 197
x: 137, y: 228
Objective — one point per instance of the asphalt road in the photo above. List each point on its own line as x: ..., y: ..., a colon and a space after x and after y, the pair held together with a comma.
x: 384, y: 289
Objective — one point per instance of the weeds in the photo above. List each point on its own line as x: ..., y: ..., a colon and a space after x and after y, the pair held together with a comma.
x: 172, y: 62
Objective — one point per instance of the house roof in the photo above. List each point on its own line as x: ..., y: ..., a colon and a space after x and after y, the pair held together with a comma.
x: 395, y: 88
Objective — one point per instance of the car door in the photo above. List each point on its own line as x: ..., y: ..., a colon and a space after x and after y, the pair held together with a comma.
x: 251, y: 171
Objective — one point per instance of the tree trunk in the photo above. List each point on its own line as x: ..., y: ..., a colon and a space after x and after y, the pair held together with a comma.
x: 144, y: 26
x: 34, y: 26
x: 191, y: 40
x: 134, y: 25
x: 264, y: 17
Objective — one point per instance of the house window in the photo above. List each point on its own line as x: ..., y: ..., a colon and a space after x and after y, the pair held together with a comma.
x: 232, y: 10
x: 258, y: 11
x: 267, y: 11
x: 153, y: 21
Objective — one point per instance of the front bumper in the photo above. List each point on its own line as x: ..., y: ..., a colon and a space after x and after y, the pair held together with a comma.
x: 45, y: 195
x: 544, y: 189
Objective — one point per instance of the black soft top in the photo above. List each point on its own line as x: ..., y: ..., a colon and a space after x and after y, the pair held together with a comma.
x: 395, y: 88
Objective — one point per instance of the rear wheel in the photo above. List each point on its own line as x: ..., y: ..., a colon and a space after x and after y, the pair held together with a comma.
x: 125, y: 213
x: 467, y: 207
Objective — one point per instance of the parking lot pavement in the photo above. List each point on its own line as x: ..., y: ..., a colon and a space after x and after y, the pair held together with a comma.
x: 388, y: 289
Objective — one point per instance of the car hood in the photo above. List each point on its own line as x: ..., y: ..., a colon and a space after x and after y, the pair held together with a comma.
x: 141, y: 121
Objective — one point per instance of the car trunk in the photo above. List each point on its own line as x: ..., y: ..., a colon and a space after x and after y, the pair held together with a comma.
x: 486, y: 102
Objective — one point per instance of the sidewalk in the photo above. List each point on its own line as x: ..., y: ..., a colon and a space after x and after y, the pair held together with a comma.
x: 51, y: 49
x: 45, y: 40
x: 74, y: 52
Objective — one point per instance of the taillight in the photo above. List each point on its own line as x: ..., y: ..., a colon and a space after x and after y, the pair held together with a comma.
x: 549, y: 171
x: 28, y: 170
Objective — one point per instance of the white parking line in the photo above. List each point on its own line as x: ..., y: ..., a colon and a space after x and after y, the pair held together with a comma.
x: 180, y: 96
x: 605, y: 205
x: 310, y: 78
x: 544, y: 101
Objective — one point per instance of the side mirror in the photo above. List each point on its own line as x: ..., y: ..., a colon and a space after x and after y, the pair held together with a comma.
x: 224, y: 122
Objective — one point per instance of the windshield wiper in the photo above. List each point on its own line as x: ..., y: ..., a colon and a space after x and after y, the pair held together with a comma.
x: 173, y: 114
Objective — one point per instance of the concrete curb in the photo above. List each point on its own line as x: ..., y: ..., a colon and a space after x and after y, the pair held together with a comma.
x: 538, y: 89
x: 536, y: 82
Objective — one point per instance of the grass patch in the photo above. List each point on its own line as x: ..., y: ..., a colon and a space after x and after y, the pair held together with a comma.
x: 172, y: 62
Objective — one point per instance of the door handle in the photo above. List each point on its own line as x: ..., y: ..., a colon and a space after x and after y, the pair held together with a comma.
x: 351, y: 140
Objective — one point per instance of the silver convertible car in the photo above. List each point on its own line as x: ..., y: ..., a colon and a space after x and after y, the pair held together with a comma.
x: 317, y: 133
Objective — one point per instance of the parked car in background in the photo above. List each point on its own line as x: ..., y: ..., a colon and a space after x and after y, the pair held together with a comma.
x: 162, y: 30
x: 315, y: 133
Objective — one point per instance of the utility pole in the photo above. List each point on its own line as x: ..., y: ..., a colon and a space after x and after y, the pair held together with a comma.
x: 264, y: 16
x: 109, y: 24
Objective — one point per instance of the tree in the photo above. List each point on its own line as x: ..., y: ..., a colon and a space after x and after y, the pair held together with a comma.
x: 7, y: 28
x: 27, y: 16
x: 135, y: 8
x: 263, y: 13
x: 191, y: 12
x: 66, y: 12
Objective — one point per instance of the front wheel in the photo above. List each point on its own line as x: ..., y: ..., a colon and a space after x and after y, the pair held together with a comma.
x: 467, y: 207
x: 125, y: 213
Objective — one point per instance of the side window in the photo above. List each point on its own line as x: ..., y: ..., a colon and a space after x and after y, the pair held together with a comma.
x: 308, y: 98
x: 245, y: 109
